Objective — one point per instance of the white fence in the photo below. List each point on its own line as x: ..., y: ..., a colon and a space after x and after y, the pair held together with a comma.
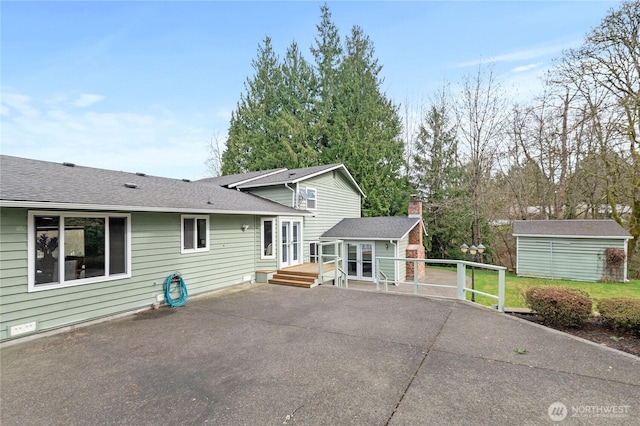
x: 381, y: 278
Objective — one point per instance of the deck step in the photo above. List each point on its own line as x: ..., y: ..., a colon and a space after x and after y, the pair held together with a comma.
x: 297, y: 273
x: 292, y: 282
x: 305, y: 276
x: 294, y: 277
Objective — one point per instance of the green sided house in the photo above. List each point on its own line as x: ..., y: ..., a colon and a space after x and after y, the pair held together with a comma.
x: 570, y: 249
x: 78, y: 244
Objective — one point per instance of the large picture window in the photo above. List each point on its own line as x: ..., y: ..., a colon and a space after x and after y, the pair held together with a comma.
x: 76, y: 248
x: 267, y: 237
x: 195, y: 233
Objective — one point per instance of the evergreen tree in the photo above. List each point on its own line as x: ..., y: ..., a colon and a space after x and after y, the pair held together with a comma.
x: 298, y: 94
x: 255, y: 139
x: 294, y: 115
x: 437, y: 175
x: 327, y: 53
x: 366, y: 131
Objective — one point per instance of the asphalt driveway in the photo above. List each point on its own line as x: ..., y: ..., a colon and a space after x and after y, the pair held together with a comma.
x: 271, y: 355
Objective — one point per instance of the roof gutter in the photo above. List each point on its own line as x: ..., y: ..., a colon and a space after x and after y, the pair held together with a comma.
x: 103, y: 207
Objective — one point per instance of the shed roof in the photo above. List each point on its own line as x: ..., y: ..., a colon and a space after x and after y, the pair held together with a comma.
x: 570, y: 228
x: 35, y: 183
x: 372, y: 228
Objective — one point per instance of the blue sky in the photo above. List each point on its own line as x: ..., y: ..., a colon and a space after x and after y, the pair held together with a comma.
x: 143, y: 86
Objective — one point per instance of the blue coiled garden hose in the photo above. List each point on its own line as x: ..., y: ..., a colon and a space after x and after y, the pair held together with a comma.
x: 184, y: 295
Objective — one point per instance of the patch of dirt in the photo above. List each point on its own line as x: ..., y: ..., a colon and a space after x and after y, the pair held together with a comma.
x: 597, y: 331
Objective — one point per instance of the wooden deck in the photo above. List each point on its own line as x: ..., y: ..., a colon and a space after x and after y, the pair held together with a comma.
x: 304, y: 275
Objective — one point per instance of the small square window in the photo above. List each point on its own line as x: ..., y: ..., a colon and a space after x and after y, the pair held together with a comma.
x: 195, y: 233
x: 312, y: 199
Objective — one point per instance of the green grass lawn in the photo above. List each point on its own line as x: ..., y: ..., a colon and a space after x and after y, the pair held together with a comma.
x: 515, y: 287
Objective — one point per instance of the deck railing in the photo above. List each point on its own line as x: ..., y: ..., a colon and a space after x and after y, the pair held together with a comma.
x: 339, y: 276
x: 461, y: 275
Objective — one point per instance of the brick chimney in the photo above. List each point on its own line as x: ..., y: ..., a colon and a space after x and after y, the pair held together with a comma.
x: 415, y: 210
x: 415, y: 249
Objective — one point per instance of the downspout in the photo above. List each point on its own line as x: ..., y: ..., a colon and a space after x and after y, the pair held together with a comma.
x: 294, y: 198
x: 396, y: 269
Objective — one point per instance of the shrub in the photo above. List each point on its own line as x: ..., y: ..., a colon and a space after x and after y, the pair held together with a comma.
x: 622, y: 313
x: 569, y: 307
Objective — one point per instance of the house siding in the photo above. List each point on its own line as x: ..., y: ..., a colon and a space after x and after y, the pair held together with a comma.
x: 155, y: 253
x: 580, y: 259
x: 280, y: 194
x: 386, y: 266
x: 336, y: 200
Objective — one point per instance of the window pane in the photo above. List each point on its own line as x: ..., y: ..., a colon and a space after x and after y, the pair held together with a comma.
x: 47, y: 253
x: 267, y: 243
x: 202, y: 233
x: 311, y: 198
x: 117, y: 245
x: 189, y: 231
x: 84, y: 247
x: 313, y: 252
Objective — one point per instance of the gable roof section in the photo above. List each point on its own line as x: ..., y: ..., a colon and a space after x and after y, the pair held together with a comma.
x: 569, y: 229
x: 372, y: 228
x: 42, y: 184
x: 292, y: 176
x: 231, y: 181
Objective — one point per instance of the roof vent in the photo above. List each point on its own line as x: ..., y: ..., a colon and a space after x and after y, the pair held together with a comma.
x: 186, y: 180
x: 68, y: 164
x: 292, y: 174
x: 131, y: 185
x: 140, y: 174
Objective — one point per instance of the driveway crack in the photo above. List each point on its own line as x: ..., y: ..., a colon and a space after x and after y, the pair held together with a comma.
x: 415, y: 373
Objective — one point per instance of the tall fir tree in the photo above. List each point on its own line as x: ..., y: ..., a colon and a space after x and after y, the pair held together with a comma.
x: 255, y: 140
x: 437, y: 176
x: 366, y: 130
x: 295, y: 115
x: 298, y: 93
x: 327, y: 53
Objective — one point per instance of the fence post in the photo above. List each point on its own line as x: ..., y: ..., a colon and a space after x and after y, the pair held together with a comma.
x: 415, y: 276
x: 461, y: 280
x: 501, y: 289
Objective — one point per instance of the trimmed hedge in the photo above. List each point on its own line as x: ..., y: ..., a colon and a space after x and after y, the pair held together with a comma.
x: 568, y: 307
x: 622, y: 313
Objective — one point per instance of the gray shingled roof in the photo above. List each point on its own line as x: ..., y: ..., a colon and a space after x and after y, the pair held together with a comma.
x: 33, y: 182
x: 372, y: 228
x: 277, y: 177
x: 291, y: 176
x: 232, y: 180
x: 570, y: 228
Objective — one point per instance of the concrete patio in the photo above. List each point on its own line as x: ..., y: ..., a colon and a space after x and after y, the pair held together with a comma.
x: 271, y: 355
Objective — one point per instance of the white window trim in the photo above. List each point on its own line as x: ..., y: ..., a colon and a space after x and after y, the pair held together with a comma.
x: 274, y: 224
x: 315, y: 198
x: 31, y: 250
x: 207, y: 247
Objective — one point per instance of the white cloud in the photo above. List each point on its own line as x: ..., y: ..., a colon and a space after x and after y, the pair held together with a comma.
x: 87, y: 99
x: 157, y: 143
x: 19, y: 103
x: 524, y: 54
x: 524, y: 68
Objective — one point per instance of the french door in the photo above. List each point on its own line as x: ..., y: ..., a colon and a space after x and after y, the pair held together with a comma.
x: 360, y: 260
x: 290, y: 242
